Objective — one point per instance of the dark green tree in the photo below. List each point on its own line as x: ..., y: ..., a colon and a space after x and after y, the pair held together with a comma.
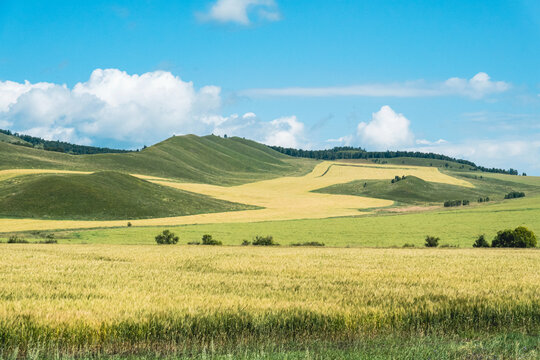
x: 481, y: 242
x: 432, y: 241
x: 166, y: 238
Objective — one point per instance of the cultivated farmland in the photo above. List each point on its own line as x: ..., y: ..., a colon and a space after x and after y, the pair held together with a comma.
x: 143, y: 298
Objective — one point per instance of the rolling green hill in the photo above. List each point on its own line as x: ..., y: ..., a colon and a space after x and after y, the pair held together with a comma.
x: 413, y: 190
x: 209, y: 159
x: 10, y: 139
x: 104, y: 195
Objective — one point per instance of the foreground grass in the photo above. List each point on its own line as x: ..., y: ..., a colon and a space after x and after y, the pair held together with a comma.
x: 485, y: 346
x: 122, y: 299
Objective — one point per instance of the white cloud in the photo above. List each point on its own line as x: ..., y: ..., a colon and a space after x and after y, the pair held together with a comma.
x: 523, y: 154
x: 111, y: 105
x: 427, y: 142
x: 477, y: 87
x: 386, y: 130
x: 285, y: 131
x: 237, y: 11
x: 347, y: 140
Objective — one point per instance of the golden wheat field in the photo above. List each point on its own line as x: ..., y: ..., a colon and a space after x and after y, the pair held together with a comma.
x: 73, y: 296
x: 283, y: 198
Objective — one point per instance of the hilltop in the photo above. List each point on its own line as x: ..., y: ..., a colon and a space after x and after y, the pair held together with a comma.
x: 104, y: 195
x: 208, y: 159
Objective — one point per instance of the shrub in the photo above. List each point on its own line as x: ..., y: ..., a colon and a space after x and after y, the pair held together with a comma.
x: 194, y: 243
x: 407, y: 245
x: 514, y: 195
x: 264, y: 241
x: 14, y: 239
x: 520, y: 237
x: 49, y: 241
x: 246, y: 243
x: 481, y: 242
x: 450, y: 203
x: 465, y: 202
x: 129, y: 224
x: 207, y: 240
x: 309, y: 243
x: 166, y: 237
x: 449, y: 246
x: 432, y: 241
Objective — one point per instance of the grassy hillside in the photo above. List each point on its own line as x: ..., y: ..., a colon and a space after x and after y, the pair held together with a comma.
x: 99, y: 196
x: 208, y: 159
x: 413, y: 190
x: 11, y: 139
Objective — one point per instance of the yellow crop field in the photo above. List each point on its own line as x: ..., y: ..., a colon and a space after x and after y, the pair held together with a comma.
x: 8, y: 174
x: 284, y: 198
x: 147, y: 295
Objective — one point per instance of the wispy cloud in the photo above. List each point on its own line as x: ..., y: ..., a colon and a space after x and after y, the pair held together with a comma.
x: 476, y: 87
x: 241, y: 11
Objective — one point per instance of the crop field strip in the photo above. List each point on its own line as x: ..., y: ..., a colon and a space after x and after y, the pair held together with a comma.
x: 283, y: 198
x: 144, y: 296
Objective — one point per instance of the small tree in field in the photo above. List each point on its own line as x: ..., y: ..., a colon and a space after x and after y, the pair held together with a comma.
x: 432, y: 241
x: 520, y: 237
x: 166, y: 238
x: 481, y: 242
x: 208, y: 240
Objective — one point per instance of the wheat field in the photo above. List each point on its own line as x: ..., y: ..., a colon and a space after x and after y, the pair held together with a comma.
x: 100, y: 297
x: 284, y: 198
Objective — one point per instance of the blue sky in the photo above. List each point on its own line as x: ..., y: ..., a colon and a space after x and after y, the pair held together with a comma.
x: 455, y: 77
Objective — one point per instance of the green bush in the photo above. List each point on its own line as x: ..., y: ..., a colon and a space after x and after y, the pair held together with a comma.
x: 451, y: 203
x: 14, y: 239
x: 514, y: 195
x: 246, y: 242
x: 207, y: 240
x: 520, y: 237
x: 432, y: 241
x: 166, y: 238
x: 407, y: 245
x: 309, y: 243
x: 481, y: 242
x: 264, y: 241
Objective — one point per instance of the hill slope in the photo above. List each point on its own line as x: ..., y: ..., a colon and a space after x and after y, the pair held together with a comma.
x: 101, y: 196
x: 209, y: 159
x: 10, y: 139
x: 415, y: 190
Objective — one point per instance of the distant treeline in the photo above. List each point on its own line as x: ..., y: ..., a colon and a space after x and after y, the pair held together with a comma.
x: 349, y: 152
x: 60, y: 146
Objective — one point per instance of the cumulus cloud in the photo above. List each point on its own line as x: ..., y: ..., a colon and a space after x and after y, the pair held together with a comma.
x: 523, y: 154
x: 285, y: 131
x: 479, y: 86
x: 238, y: 11
x: 111, y: 105
x: 386, y: 130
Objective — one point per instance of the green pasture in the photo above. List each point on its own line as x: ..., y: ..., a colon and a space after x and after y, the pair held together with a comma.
x: 106, y: 195
x: 455, y: 226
